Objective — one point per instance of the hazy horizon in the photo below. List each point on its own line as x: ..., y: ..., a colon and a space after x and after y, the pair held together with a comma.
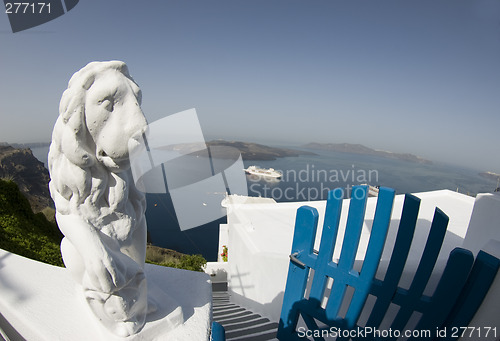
x: 419, y: 77
x: 291, y: 145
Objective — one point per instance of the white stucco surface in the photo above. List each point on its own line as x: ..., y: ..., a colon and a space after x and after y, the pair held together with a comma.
x: 39, y: 301
x: 484, y: 222
x: 223, y: 241
x: 260, y: 239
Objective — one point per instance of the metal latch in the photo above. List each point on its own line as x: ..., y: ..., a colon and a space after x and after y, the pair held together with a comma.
x: 293, y: 258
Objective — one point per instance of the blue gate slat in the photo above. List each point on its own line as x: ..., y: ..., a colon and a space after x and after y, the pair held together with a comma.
x: 218, y: 333
x: 354, y: 226
x: 481, y: 277
x: 303, y: 242
x: 450, y: 285
x: 312, y: 325
x: 384, y: 290
x: 350, y: 244
x: 373, y: 253
x: 305, y: 232
x: 327, y: 244
x: 408, y: 301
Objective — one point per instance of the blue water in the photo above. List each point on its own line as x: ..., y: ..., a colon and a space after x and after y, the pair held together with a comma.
x: 309, y: 177
x: 304, y: 176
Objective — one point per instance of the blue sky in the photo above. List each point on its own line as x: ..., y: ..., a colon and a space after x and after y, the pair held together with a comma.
x: 407, y: 76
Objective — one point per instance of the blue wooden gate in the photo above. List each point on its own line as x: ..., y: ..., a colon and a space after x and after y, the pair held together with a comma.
x: 454, y: 302
x: 218, y: 333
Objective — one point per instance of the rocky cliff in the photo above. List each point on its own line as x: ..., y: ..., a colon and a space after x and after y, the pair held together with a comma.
x: 20, y: 166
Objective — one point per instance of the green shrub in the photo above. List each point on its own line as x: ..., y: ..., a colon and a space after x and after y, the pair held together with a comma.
x: 186, y: 262
x: 192, y: 262
x: 25, y: 233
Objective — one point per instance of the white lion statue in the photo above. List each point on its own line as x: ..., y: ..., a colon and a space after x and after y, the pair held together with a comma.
x: 99, y: 209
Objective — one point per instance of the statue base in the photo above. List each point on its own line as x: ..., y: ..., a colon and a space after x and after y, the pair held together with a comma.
x: 42, y: 302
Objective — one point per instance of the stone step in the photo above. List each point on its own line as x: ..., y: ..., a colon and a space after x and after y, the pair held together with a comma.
x: 239, y: 323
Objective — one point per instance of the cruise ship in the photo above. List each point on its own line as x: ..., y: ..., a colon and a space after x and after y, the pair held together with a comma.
x: 270, y: 172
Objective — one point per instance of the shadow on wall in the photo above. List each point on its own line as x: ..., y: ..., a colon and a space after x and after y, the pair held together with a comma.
x: 168, y: 301
x: 239, y: 283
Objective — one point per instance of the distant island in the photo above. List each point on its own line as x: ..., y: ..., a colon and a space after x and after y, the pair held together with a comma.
x: 248, y: 150
x: 254, y: 151
x: 360, y: 149
x: 259, y: 152
x: 26, y: 145
x: 490, y: 175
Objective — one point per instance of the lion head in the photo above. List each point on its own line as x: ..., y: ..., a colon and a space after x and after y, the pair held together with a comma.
x: 99, y: 115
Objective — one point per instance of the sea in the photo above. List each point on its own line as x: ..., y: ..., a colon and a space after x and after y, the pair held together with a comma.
x: 308, y: 178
